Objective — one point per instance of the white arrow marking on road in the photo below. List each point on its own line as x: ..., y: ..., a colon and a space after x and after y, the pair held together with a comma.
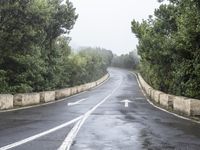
x: 126, y: 102
x: 75, y: 103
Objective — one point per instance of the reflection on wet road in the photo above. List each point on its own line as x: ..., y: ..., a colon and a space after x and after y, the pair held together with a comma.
x: 106, y: 122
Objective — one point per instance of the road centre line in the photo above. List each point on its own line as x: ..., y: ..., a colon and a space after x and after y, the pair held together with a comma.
x: 40, y: 134
x: 71, y: 135
x: 66, y: 145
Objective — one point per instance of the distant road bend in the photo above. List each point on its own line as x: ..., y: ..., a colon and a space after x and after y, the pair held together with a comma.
x: 113, y: 116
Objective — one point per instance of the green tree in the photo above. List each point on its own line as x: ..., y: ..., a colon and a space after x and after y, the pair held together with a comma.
x: 169, y: 47
x: 129, y: 61
x: 20, y: 44
x: 27, y: 29
x: 89, y: 65
x: 34, y: 48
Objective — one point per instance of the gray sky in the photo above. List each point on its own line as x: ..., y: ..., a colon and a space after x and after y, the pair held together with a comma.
x: 107, y: 23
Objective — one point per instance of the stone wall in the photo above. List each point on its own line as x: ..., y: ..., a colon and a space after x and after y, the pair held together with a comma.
x: 8, y: 101
x: 183, y: 105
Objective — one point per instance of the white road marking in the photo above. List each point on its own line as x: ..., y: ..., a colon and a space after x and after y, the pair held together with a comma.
x: 179, y: 116
x: 40, y: 134
x: 126, y: 102
x: 75, y: 103
x: 66, y: 145
x: 69, y: 139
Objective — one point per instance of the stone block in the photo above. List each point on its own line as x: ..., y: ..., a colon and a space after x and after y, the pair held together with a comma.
x: 62, y: 93
x: 26, y: 99
x: 47, y: 96
x: 6, y: 101
x: 182, y: 105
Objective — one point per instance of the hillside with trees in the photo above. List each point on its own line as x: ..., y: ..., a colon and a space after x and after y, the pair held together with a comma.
x: 128, y: 61
x: 34, y: 48
x: 169, y: 46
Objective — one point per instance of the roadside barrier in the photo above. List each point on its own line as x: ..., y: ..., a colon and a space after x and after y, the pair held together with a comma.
x: 183, y: 105
x: 9, y: 101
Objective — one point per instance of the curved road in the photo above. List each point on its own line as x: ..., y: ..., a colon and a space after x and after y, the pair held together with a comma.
x: 99, y: 119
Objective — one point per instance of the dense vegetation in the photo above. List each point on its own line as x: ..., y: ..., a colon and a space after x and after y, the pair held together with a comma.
x: 89, y: 65
x: 34, y: 53
x: 169, y: 46
x: 128, y: 61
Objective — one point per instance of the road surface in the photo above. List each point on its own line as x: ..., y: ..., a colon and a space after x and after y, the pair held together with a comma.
x: 113, y: 116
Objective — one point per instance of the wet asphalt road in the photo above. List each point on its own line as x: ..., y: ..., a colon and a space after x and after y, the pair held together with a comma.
x: 110, y: 126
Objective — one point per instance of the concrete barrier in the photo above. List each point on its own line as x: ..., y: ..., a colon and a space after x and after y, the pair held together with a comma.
x: 62, y: 93
x: 156, y: 97
x: 148, y: 91
x: 85, y: 87
x: 182, y: 105
x: 47, y: 96
x: 152, y: 91
x: 74, y: 90
x: 80, y: 88
x: 88, y: 85
x: 166, y: 100
x: 190, y: 107
x: 147, y: 88
x: 26, y: 99
x: 98, y: 82
x: 194, y: 107
x: 6, y: 101
x: 93, y: 84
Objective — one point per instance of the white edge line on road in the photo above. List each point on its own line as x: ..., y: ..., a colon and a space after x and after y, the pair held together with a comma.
x: 72, y: 134
x: 77, y: 102
x: 53, y: 102
x: 7, y: 147
x: 151, y: 103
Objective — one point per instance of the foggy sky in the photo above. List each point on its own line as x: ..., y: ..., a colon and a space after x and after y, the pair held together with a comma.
x: 107, y: 23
